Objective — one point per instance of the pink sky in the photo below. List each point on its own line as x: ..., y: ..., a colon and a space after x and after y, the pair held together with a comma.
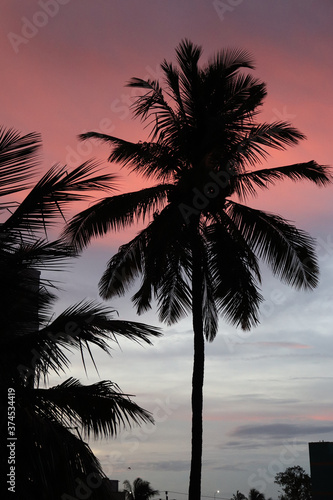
x: 69, y: 77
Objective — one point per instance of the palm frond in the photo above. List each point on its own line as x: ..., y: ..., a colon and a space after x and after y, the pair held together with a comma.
x: 227, y: 62
x: 151, y: 102
x: 209, y: 309
x: 52, y: 459
x: 243, y: 95
x: 77, y: 327
x: 188, y: 55
x: 238, y: 301
x: 159, y: 261
x: 100, y: 409
x: 19, y: 157
x: 172, y: 77
x: 289, y: 251
x: 245, y: 184
x: 234, y: 275
x: 150, y: 159
x: 49, y: 198
x: 40, y: 254
x: 114, y: 213
x: 153, y: 106
x: 256, y: 139
x: 122, y: 268
x: 174, y: 293
x: 163, y: 265
x: 276, y: 135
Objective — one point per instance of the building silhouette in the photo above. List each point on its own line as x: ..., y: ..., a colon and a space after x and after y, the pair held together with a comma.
x: 113, y: 487
x: 321, y: 466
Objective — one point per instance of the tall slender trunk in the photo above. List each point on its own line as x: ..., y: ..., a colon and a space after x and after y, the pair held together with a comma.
x: 198, y: 375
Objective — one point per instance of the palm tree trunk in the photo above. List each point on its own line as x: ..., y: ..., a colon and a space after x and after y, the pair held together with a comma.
x: 197, y: 376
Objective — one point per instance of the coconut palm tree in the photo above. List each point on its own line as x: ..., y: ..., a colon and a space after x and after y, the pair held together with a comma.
x: 200, y: 250
x: 253, y: 495
x: 140, y: 490
x: 256, y: 495
x: 44, y: 423
x: 238, y: 496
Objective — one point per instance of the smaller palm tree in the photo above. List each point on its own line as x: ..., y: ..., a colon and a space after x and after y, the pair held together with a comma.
x: 253, y: 495
x: 140, y: 490
x: 256, y: 495
x: 238, y: 496
x: 52, y: 461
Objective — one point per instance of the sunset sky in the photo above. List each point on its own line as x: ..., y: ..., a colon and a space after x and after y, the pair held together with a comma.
x: 268, y: 393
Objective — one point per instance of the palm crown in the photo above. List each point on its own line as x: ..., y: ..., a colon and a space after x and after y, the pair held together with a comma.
x: 203, y: 141
x: 139, y: 490
x: 51, y: 459
x: 200, y: 251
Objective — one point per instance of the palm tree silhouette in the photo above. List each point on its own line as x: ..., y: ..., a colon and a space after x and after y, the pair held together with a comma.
x: 199, y: 252
x: 140, y: 490
x: 253, y: 495
x: 256, y: 495
x: 238, y: 496
x: 51, y: 460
